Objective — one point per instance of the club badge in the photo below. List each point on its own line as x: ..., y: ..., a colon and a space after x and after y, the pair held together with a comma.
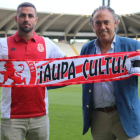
x: 40, y: 47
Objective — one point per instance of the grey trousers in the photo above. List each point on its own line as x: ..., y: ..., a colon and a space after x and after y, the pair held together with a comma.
x: 30, y: 128
x: 107, y: 126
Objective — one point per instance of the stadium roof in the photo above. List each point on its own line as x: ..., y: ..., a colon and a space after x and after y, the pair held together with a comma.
x: 68, y: 26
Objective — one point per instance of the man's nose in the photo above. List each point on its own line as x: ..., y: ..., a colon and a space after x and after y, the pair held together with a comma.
x: 103, y: 26
x: 26, y: 18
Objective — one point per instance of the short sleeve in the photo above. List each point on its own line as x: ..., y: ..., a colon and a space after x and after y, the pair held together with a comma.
x: 52, y: 50
x: 3, y: 48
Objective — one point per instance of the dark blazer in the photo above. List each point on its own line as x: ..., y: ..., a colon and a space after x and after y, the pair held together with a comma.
x: 125, y: 91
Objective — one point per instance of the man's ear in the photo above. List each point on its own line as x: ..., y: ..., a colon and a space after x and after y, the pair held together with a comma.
x: 36, y: 20
x: 15, y: 19
x: 92, y: 26
x: 116, y: 24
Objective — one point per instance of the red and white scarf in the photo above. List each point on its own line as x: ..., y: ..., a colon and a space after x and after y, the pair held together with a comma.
x: 69, y: 70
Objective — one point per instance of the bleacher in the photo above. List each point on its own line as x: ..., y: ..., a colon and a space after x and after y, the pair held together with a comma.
x: 78, y: 46
x: 70, y: 50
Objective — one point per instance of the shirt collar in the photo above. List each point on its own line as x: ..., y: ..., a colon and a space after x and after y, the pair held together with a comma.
x: 18, y: 38
x: 112, y: 44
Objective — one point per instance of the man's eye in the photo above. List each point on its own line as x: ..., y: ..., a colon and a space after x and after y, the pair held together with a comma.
x: 97, y: 23
x: 22, y: 15
x: 106, y: 22
x: 31, y: 16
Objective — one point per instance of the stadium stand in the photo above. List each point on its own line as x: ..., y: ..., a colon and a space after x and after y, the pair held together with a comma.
x: 78, y: 46
x: 70, y: 50
x: 66, y: 48
x: 68, y: 26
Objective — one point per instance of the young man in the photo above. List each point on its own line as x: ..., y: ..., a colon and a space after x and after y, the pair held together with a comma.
x: 24, y: 110
x: 111, y: 109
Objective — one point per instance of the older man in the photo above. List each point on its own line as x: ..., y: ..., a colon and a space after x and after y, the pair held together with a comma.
x: 111, y: 109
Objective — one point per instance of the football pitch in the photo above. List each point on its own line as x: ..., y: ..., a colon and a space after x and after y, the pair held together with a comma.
x: 65, y: 113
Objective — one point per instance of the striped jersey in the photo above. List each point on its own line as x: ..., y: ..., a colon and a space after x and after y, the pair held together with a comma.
x: 26, y: 102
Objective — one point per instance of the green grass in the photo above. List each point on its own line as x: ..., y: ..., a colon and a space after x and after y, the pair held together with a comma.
x: 65, y: 113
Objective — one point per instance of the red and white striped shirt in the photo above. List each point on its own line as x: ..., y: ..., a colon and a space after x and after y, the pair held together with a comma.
x: 26, y: 102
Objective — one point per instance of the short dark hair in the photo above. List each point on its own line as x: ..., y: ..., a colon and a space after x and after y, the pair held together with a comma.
x: 26, y: 4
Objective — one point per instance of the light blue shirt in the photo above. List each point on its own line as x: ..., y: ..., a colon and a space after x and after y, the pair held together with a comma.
x: 103, y: 91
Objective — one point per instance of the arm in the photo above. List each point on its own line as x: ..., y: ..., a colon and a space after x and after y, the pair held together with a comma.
x: 53, y: 51
x: 55, y: 87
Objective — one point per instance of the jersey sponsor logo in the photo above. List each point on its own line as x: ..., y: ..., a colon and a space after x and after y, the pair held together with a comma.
x: 40, y: 47
x: 11, y: 73
x: 13, y: 49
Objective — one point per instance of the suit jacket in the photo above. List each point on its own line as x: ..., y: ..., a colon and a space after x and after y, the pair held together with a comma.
x: 125, y: 91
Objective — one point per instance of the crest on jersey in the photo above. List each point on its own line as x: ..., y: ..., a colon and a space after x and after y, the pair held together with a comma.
x: 40, y: 47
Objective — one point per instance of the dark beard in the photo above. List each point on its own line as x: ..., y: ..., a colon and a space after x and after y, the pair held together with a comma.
x: 26, y: 30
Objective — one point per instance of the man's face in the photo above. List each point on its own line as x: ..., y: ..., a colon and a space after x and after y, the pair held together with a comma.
x: 104, y: 26
x: 26, y: 19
